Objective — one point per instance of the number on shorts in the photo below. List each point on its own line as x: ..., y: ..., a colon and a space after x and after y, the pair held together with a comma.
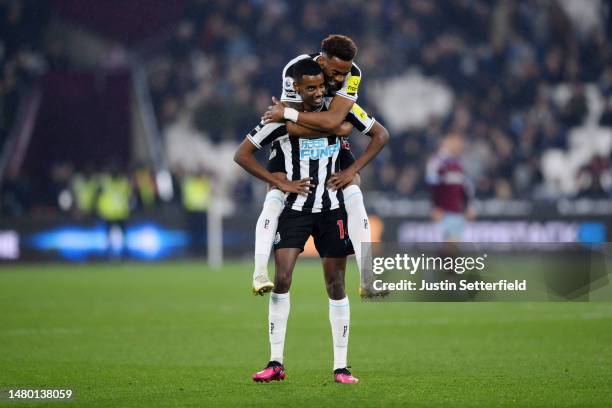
x: 341, y: 228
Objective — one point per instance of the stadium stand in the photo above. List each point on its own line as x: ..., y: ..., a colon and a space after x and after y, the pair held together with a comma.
x: 528, y: 83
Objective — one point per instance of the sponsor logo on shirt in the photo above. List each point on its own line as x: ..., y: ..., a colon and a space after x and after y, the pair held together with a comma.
x: 315, y: 149
x: 353, y: 84
x: 359, y: 112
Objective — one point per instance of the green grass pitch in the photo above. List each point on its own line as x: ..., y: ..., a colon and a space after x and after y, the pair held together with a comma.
x: 179, y: 334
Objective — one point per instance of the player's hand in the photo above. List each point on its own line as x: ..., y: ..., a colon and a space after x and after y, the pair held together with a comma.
x: 275, y: 113
x: 344, y: 130
x: 437, y: 214
x: 470, y: 214
x: 301, y: 187
x: 341, y: 179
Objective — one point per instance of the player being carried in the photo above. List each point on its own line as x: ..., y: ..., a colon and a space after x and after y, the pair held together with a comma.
x: 310, y: 208
x: 342, y: 77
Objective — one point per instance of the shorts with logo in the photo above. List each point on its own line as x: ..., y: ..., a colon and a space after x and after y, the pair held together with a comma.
x: 328, y: 228
x: 276, y: 162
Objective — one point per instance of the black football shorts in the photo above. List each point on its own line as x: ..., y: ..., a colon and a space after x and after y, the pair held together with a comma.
x: 328, y: 229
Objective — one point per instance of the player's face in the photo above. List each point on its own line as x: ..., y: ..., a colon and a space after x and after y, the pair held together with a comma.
x: 458, y: 145
x: 336, y: 71
x: 311, y: 88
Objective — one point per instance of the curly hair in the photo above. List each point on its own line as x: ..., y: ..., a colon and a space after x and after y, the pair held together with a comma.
x: 341, y: 46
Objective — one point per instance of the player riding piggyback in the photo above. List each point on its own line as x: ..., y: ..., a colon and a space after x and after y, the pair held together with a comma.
x: 302, y: 169
x: 342, y: 79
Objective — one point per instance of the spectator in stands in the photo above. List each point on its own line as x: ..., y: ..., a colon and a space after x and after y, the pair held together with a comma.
x: 519, y: 75
x: 595, y: 178
x: 501, y: 59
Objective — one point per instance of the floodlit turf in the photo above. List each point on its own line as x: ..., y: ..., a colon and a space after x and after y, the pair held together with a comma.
x: 178, y: 334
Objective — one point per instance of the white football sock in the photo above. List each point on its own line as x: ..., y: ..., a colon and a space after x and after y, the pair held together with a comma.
x: 265, y: 229
x: 357, y: 220
x: 339, y: 317
x: 278, y: 313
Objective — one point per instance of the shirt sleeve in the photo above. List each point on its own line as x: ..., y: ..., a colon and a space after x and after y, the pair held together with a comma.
x: 350, y: 87
x: 264, y: 134
x: 288, y: 94
x: 360, y: 119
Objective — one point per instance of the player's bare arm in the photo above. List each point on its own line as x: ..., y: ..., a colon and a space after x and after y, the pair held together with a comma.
x: 470, y: 213
x: 379, y: 136
x: 245, y: 157
x: 309, y: 132
x: 296, y: 130
x: 326, y: 121
x: 437, y: 213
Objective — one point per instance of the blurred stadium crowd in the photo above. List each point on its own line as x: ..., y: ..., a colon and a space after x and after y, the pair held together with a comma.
x: 21, y: 58
x: 529, y: 84
x: 521, y: 76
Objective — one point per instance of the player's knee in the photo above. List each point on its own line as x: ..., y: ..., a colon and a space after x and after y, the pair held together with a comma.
x: 352, y: 196
x: 282, y: 281
x: 275, y: 201
x: 335, y: 288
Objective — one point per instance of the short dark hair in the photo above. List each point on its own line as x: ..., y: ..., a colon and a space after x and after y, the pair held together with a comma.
x: 307, y: 66
x: 341, y: 46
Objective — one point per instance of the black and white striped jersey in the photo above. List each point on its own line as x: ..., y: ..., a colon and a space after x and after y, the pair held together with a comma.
x: 316, y: 158
x: 349, y: 87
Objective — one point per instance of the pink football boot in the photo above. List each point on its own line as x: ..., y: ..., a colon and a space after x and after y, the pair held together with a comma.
x: 344, y: 376
x: 274, y: 371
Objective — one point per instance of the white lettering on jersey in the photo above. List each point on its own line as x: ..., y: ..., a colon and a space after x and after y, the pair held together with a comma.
x: 315, y: 149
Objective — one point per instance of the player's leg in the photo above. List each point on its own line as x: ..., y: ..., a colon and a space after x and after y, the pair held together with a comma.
x: 357, y: 218
x: 339, y: 316
x: 279, y: 300
x: 294, y: 230
x: 333, y: 246
x: 452, y: 226
x: 265, y: 230
x: 278, y: 315
x: 358, y: 225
